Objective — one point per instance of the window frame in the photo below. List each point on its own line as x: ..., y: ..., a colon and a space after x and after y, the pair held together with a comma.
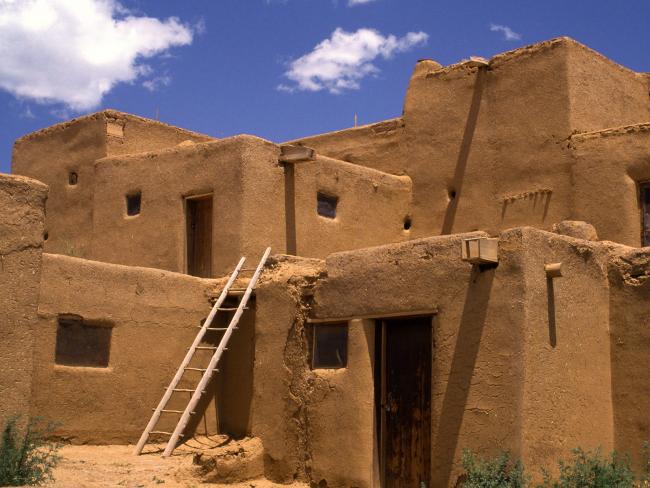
x: 77, y: 320
x: 313, y: 329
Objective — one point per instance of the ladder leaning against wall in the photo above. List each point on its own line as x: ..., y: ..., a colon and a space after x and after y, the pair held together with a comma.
x: 197, y: 392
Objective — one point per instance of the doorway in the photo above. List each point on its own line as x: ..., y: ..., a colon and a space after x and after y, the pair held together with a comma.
x: 198, y: 218
x: 403, y: 361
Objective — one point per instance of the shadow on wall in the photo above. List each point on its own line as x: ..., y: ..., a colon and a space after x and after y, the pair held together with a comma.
x: 552, y: 332
x: 463, y: 154
x: 526, y: 206
x: 460, y: 375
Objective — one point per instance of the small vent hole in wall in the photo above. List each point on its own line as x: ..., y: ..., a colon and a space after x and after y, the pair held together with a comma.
x: 451, y: 194
x: 407, y: 223
x: 133, y: 203
x: 46, y: 235
x: 72, y: 178
x: 326, y: 205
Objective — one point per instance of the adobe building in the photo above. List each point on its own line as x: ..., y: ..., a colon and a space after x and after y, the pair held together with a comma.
x: 472, y: 274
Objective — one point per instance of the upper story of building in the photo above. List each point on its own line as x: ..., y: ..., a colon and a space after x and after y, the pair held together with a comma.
x: 541, y: 134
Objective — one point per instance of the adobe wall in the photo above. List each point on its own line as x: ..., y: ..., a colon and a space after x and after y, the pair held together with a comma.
x: 251, y: 201
x: 244, y: 177
x: 629, y: 303
x: 603, y: 93
x: 52, y: 153
x: 567, y: 366
x: 609, y: 166
x: 373, y: 207
x: 507, y: 374
x: 487, y: 147
x: 139, y: 134
x: 477, y: 336
x: 22, y: 201
x: 154, y: 317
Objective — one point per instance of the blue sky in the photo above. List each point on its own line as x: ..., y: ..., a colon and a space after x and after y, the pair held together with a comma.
x: 224, y: 67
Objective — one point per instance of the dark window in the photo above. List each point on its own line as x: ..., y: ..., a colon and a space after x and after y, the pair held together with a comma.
x: 645, y: 214
x: 79, y: 343
x: 72, y: 178
x: 326, y: 205
x: 329, y: 346
x: 133, y: 203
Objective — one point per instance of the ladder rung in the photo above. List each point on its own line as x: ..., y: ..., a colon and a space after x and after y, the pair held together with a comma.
x: 183, y: 389
x: 199, y: 369
x: 162, y: 432
x: 206, y: 348
x: 216, y: 328
x: 231, y: 309
x: 172, y: 411
x: 248, y: 269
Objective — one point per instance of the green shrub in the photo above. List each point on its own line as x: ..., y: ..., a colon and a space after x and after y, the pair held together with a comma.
x: 26, y: 458
x: 500, y: 472
x: 589, y: 469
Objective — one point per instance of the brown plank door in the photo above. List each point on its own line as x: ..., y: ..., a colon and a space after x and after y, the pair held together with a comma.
x: 405, y: 435
x: 645, y: 214
x: 199, y: 235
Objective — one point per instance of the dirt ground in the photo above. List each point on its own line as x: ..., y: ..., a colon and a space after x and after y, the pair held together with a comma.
x: 116, y: 466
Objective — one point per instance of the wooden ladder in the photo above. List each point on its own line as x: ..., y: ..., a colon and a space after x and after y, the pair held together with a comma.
x: 199, y: 390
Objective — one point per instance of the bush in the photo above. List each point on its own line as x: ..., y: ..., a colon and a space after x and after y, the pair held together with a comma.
x: 589, y: 469
x: 500, y: 472
x: 27, y: 458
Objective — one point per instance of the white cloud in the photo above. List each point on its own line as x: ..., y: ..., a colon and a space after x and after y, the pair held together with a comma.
x: 157, y: 82
x: 352, y: 3
x: 508, y: 33
x: 74, y: 51
x: 342, y: 61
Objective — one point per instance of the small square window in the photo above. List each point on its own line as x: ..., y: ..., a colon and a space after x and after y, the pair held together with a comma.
x: 329, y: 347
x: 79, y: 343
x: 133, y: 203
x: 326, y: 205
x: 72, y: 178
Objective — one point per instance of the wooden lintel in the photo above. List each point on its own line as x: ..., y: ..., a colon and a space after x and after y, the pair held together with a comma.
x: 378, y: 315
x: 296, y: 154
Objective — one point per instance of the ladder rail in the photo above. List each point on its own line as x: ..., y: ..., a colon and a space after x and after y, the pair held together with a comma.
x: 186, y: 360
x: 205, y: 379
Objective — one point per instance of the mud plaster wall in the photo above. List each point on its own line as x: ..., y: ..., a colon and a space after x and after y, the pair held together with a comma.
x: 494, y: 139
x: 567, y: 393
x: 247, y: 185
x: 629, y: 280
x: 22, y: 201
x: 497, y: 383
x: 52, y: 153
x: 153, y: 315
x: 371, y: 210
x: 477, y: 330
x: 609, y: 166
x: 142, y: 135
x: 602, y: 93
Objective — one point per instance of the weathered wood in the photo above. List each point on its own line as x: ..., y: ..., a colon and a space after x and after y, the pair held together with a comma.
x: 294, y: 154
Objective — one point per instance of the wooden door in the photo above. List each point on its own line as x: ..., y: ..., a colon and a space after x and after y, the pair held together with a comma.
x: 645, y: 214
x: 406, y: 403
x: 199, y: 236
